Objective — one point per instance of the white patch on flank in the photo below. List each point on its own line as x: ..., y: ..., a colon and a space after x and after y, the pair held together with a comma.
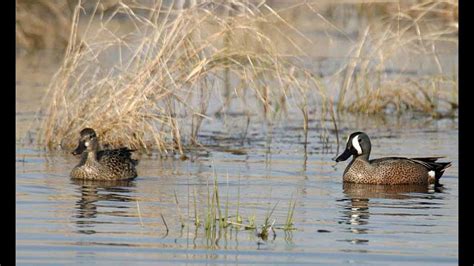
x: 431, y: 173
x: 356, y: 145
x: 86, y: 143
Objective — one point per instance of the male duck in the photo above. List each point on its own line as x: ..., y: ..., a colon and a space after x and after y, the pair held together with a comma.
x: 388, y: 170
x: 114, y: 164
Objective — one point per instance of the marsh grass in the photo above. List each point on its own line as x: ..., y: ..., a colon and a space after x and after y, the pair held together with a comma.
x: 197, y: 221
x: 267, y: 225
x: 289, y: 218
x: 153, y: 81
x: 368, y: 84
x: 217, y: 221
x: 151, y: 87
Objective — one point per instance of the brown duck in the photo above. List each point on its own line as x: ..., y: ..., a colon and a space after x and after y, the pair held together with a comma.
x: 387, y: 170
x: 95, y: 164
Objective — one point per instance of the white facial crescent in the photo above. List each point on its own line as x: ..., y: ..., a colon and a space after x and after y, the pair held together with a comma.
x: 356, y: 145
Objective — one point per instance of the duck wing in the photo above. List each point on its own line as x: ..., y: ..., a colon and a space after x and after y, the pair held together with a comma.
x: 122, y: 153
x: 431, y: 164
x: 427, y: 159
x: 428, y: 162
x: 386, y: 159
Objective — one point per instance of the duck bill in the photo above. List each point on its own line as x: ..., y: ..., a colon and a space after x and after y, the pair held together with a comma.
x: 80, y: 148
x: 344, y: 156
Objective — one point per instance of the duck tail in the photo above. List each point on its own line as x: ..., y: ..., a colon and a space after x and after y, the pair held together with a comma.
x: 437, y: 167
x: 439, y: 171
x: 440, y: 167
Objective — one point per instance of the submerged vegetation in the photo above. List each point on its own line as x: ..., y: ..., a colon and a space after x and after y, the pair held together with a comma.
x: 217, y: 220
x: 148, y: 76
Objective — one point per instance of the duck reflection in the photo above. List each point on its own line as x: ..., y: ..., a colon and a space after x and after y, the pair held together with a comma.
x: 367, y: 191
x: 355, y: 210
x: 94, y: 194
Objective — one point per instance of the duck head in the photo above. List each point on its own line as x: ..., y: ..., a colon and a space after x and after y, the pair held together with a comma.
x: 358, y: 144
x: 88, y: 141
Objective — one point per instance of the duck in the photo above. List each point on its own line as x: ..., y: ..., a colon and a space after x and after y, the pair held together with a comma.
x: 95, y: 164
x: 387, y: 170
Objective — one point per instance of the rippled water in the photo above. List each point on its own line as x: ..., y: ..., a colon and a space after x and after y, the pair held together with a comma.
x: 60, y: 221
x: 63, y: 221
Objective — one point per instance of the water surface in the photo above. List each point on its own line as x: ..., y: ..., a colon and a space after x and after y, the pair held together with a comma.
x: 63, y: 221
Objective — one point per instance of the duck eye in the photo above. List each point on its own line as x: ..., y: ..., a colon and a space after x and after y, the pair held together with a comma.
x: 360, y: 140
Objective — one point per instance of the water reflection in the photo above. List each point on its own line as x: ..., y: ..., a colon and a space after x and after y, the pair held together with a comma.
x: 367, y: 191
x: 356, y: 212
x: 95, y: 194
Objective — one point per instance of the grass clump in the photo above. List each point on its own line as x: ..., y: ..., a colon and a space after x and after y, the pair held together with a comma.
x: 217, y: 220
x: 150, y: 86
x: 289, y: 218
x: 148, y: 75
x: 267, y: 225
x: 372, y: 81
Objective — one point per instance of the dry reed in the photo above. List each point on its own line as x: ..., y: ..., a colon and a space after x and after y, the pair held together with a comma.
x: 152, y: 84
x: 372, y: 82
x: 151, y: 87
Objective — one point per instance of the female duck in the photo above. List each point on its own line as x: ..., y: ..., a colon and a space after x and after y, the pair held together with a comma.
x: 388, y: 170
x: 114, y: 164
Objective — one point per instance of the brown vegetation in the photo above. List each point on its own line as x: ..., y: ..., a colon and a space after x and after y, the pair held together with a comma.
x: 151, y: 87
x: 147, y: 76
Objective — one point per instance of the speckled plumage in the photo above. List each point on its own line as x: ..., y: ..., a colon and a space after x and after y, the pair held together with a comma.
x: 115, y: 164
x: 388, y: 170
